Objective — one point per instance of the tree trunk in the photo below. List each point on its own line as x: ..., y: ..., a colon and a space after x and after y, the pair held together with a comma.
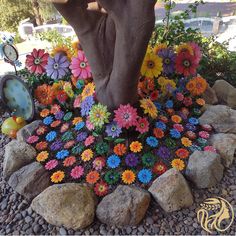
x: 38, y: 18
x: 114, y: 42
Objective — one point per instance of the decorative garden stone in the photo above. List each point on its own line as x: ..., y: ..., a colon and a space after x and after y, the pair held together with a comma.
x: 30, y: 180
x: 17, y: 154
x: 225, y: 93
x: 225, y: 144
x: 171, y: 191
x: 70, y: 205
x: 221, y: 117
x: 127, y: 205
x: 204, y: 169
x: 28, y: 130
x: 210, y: 96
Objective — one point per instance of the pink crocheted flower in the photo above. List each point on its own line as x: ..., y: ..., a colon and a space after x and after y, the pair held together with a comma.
x: 77, y: 172
x: 89, y: 125
x: 89, y: 140
x: 204, y: 134
x: 209, y: 149
x: 126, y: 116
x: 99, y: 163
x: 51, y: 164
x: 32, y: 139
x: 80, y: 67
x: 142, y: 125
x: 178, y: 127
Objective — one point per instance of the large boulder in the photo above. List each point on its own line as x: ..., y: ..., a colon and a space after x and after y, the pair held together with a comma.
x: 221, y: 117
x: 225, y: 144
x: 210, y: 96
x: 204, y: 169
x: 28, y: 130
x: 17, y: 154
x: 171, y: 191
x: 225, y: 93
x: 70, y: 205
x: 126, y: 206
x: 30, y: 180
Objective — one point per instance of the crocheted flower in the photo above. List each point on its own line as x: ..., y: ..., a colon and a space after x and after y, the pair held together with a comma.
x: 186, y: 142
x: 69, y: 144
x: 55, y: 123
x: 179, y: 97
x: 77, y: 172
x: 197, y: 86
x: 176, y: 119
x: 79, y: 126
x: 80, y: 67
x: 102, y: 148
x: 67, y: 136
x: 193, y: 121
x: 136, y: 146
x: 170, y: 143
x: 32, y: 139
x: 99, y: 115
x: 149, y: 107
x: 62, y: 154
x: 86, y: 105
x: 76, y: 120
x: 44, y: 94
x: 191, y: 135
x: 160, y: 125
x: 202, y: 142
x: 182, y: 153
x: 81, y: 136
x: 131, y: 160
x: 142, y: 125
x: 120, y: 149
x: 42, y: 156
x: 41, y: 146
x: 204, y: 134
x: 51, y: 136
x: 188, y: 101
x: 112, y: 177
x: 194, y: 148
x: 62, y: 96
x: 87, y: 155
x: 77, y: 149
x: 209, y: 149
x: 55, y: 108
x: 58, y: 176
x: 41, y: 130
x: 148, y: 159
x: 113, y: 130
x: 67, y: 116
x: 59, y: 115
x: 101, y: 188
x: 152, y: 141
x: 168, y: 59
x: 69, y: 161
x: 175, y: 133
x: 99, y: 163
x: 145, y: 176
x: 92, y: 177
x: 190, y: 127
x: 89, y: 125
x: 50, y: 165
x: 57, y: 67
x: 159, y: 168
x: 48, y: 120
x: 36, y: 61
x: 113, y: 161
x: 163, y: 152
x: 158, y: 133
x: 44, y: 113
x: 126, y: 116
x: 200, y: 101
x: 56, y: 145
x: 178, y: 127
x: 178, y: 164
x: 88, y: 90
x: 89, y: 140
x: 128, y: 177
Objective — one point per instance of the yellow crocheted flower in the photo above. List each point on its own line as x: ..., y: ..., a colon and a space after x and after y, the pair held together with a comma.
x: 136, y: 146
x: 42, y: 156
x: 87, y: 155
x: 88, y: 90
x: 149, y: 107
x: 58, y: 176
x: 178, y: 164
x: 128, y: 177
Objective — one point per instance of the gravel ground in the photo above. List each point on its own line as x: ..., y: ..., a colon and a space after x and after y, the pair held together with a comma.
x: 16, y: 216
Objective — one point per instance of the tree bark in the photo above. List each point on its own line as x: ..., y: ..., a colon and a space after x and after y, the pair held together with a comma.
x: 38, y: 18
x: 114, y: 42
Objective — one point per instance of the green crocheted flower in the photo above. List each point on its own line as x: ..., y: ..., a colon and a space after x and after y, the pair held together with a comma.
x: 112, y: 177
x: 67, y: 136
x: 148, y: 159
x: 102, y: 148
x: 170, y: 143
x: 77, y: 149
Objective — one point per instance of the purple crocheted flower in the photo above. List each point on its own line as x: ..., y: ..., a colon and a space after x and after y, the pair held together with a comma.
x: 168, y: 59
x: 190, y: 127
x: 56, y: 145
x: 81, y: 136
x: 113, y: 130
x: 163, y: 152
x: 59, y: 115
x: 57, y: 67
x: 131, y: 160
x: 86, y: 105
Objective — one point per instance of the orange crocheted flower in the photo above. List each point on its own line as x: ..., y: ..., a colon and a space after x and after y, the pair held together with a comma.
x: 182, y: 153
x: 44, y: 94
x: 176, y: 119
x: 178, y: 164
x: 197, y: 86
x: 41, y: 146
x: 58, y: 176
x: 76, y: 120
x: 128, y: 177
x: 42, y: 156
x: 120, y: 149
x: 186, y: 142
x: 158, y: 133
x: 55, y: 123
x: 136, y: 146
x: 92, y: 177
x: 44, y: 113
x: 69, y: 161
x: 200, y: 102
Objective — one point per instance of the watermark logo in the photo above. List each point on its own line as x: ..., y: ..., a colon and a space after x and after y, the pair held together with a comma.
x: 215, y: 214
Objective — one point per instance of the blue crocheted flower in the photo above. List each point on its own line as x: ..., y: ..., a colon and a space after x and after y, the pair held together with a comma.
x: 48, y: 120
x: 152, y: 141
x: 193, y: 121
x: 194, y: 148
x: 62, y: 154
x: 160, y: 125
x: 145, y: 176
x: 191, y: 127
x: 51, y: 136
x: 175, y: 133
x: 86, y: 105
x: 113, y: 130
x: 113, y: 161
x: 80, y: 84
x: 158, y: 105
x: 169, y: 104
x: 79, y: 126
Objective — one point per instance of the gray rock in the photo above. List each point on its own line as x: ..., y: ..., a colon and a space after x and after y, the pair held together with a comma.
x: 28, y: 219
x: 221, y: 117
x: 168, y: 191
x: 17, y: 155
x: 210, y: 96
x: 126, y: 206
x: 36, y: 229
x: 30, y: 180
x: 62, y: 231
x: 28, y: 130
x: 225, y: 144
x: 225, y: 93
x: 76, y: 203
x: 204, y: 169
